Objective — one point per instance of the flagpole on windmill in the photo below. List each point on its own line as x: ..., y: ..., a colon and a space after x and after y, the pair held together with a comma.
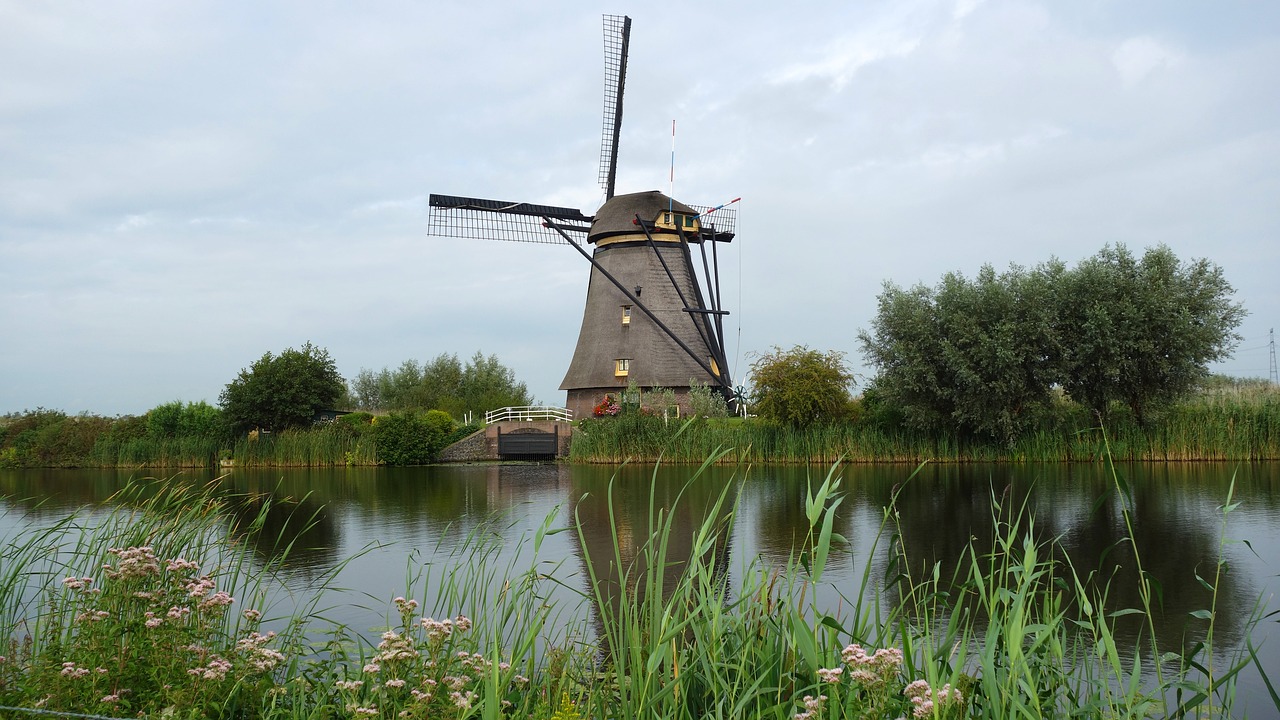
x: 671, y: 178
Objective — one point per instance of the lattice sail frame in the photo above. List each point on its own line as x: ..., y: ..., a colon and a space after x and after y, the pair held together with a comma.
x: 479, y: 219
x: 617, y: 37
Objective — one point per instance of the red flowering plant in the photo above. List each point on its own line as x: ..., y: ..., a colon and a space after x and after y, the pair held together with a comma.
x: 607, y: 407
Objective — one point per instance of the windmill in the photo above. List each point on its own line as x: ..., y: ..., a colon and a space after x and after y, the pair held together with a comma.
x: 649, y: 317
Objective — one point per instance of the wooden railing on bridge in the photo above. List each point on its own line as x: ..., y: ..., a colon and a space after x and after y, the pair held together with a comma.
x: 526, y: 413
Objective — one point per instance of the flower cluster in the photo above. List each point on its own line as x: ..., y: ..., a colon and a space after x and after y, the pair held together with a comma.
x: 135, y: 563
x: 873, y: 682
x: 872, y: 670
x: 926, y: 700
x: 812, y: 706
x: 179, y: 649
x: 425, y: 668
x: 440, y: 630
x: 608, y: 407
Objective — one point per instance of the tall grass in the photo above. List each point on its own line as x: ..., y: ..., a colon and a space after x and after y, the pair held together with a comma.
x: 316, y: 447
x: 1205, y: 428
x: 653, y: 623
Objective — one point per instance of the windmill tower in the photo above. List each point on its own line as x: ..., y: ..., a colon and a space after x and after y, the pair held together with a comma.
x: 649, y: 317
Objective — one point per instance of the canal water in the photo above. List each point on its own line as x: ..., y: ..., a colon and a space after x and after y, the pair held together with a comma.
x: 403, y: 527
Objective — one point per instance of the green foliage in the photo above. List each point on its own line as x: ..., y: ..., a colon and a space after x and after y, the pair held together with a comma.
x: 411, y: 437
x: 1142, y: 332
x: 192, y: 420
x: 359, y: 423
x: 974, y: 355
x: 281, y: 392
x: 49, y: 438
x: 444, y: 383
x: 801, y: 387
x: 983, y: 357
x: 706, y: 402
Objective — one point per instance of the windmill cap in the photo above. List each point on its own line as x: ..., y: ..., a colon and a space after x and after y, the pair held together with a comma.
x: 617, y: 216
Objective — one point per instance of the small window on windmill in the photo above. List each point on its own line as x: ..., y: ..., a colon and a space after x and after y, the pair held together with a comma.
x: 715, y: 368
x: 621, y: 367
x: 626, y: 314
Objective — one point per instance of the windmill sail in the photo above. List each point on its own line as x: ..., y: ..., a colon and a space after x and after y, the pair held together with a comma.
x: 476, y: 218
x: 617, y: 37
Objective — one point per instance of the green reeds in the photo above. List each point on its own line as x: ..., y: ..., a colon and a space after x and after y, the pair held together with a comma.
x: 652, y: 621
x: 316, y: 447
x: 1203, y: 428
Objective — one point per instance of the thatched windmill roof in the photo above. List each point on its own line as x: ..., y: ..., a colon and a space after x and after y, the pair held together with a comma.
x: 617, y: 216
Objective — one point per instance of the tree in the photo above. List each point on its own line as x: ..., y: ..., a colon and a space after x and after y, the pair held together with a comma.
x: 281, y: 392
x: 487, y: 384
x: 364, y: 392
x: 978, y: 356
x: 1142, y: 332
x: 800, y: 387
x: 441, y: 384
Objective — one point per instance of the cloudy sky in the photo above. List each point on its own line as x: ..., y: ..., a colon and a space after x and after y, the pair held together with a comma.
x: 186, y: 186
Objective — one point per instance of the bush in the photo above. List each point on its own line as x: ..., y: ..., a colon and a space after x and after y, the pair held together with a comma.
x: 192, y: 420
x: 801, y: 387
x: 411, y: 437
x: 705, y: 402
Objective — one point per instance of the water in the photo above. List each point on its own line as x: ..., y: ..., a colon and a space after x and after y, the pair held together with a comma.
x: 399, y: 520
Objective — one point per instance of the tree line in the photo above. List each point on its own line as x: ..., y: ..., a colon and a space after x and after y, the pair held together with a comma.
x: 990, y: 356
x: 279, y: 392
x: 995, y: 356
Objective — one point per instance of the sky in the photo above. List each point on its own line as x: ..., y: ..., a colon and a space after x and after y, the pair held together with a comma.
x: 187, y: 186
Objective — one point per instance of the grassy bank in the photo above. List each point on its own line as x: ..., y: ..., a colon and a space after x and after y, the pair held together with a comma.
x: 158, y: 611
x: 1208, y: 427
x: 52, y: 439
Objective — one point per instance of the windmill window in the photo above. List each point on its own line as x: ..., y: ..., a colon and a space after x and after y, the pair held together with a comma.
x: 626, y: 314
x: 621, y: 367
x: 715, y: 368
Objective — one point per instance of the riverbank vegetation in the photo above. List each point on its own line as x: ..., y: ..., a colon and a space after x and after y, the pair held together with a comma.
x: 48, y: 438
x: 158, y: 609
x: 1225, y: 419
x: 1025, y: 365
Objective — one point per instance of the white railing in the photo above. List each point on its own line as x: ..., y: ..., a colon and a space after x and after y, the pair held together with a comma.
x: 528, y: 412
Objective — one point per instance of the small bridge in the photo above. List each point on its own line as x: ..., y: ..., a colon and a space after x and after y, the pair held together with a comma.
x: 530, y: 432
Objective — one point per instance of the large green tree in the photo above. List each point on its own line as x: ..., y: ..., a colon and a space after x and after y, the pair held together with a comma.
x: 801, y: 387
x: 1142, y: 332
x: 978, y: 356
x: 282, y: 391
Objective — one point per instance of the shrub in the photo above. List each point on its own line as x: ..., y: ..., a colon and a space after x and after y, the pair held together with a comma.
x: 801, y: 387
x: 705, y: 402
x: 411, y: 437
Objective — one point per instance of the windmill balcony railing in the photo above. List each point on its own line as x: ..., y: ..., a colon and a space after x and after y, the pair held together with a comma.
x: 528, y: 413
